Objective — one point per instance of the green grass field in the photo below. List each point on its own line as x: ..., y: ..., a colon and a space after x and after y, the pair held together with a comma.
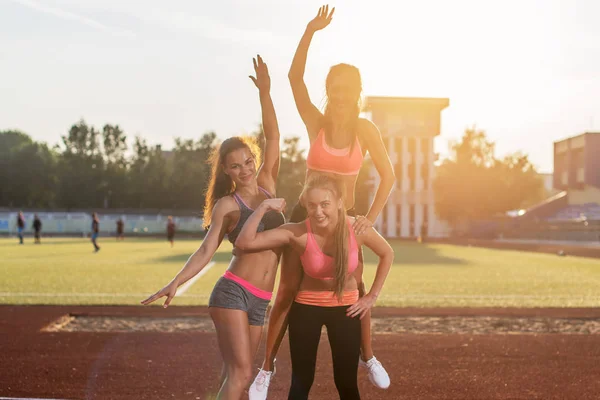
x: 66, y: 271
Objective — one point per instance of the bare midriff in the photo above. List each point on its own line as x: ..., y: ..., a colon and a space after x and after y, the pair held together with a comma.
x: 258, y: 268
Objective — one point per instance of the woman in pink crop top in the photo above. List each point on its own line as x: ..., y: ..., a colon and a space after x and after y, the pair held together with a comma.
x: 339, y: 140
x: 328, y: 294
x: 239, y: 299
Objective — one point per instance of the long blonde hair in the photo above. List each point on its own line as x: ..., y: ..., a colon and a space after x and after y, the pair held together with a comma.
x: 341, y: 235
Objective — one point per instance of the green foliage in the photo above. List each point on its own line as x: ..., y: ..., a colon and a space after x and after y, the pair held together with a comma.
x: 473, y: 184
x: 27, y: 171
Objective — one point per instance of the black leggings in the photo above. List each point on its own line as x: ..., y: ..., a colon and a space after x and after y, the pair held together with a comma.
x: 305, y: 324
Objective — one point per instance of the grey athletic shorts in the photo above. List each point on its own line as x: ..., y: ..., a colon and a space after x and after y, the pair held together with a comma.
x: 230, y: 294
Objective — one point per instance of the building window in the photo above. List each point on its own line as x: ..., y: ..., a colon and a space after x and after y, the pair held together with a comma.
x: 425, y: 150
x: 384, y: 221
x: 412, y: 149
x: 411, y: 219
x: 399, y: 160
x: 398, y: 220
x: 424, y: 227
x: 580, y: 175
x: 425, y: 175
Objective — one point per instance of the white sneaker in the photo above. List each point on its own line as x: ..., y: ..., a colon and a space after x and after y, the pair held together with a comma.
x: 377, y: 374
x: 259, y: 388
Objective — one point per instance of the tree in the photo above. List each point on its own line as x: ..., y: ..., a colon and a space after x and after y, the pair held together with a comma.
x: 81, y: 168
x: 191, y: 173
x: 27, y: 171
x: 148, y: 177
x: 292, y: 172
x: 114, y: 185
x: 10, y: 142
x: 473, y: 185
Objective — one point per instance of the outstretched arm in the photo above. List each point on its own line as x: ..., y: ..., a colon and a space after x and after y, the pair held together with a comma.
x: 310, y: 114
x: 267, y: 175
x: 199, y: 259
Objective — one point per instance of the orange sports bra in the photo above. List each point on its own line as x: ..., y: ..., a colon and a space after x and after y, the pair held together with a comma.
x: 319, y: 265
x: 324, y: 158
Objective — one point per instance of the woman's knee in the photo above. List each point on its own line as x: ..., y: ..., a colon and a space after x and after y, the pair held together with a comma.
x: 239, y: 374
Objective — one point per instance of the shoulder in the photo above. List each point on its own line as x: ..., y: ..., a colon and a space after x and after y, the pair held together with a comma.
x: 225, y: 205
x: 367, y: 129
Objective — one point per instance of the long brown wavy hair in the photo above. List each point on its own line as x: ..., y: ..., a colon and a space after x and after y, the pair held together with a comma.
x: 355, y: 83
x: 341, y: 234
x: 221, y: 184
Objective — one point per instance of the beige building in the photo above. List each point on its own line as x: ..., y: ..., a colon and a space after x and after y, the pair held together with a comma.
x: 408, y: 126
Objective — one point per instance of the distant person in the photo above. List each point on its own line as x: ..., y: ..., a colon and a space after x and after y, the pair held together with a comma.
x: 95, y: 231
x: 37, y: 228
x: 20, y: 226
x: 170, y: 230
x: 120, y: 234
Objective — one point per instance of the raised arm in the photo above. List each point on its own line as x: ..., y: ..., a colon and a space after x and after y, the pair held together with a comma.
x: 200, y: 258
x: 384, y: 167
x: 374, y: 241
x: 310, y: 114
x: 250, y: 240
x: 267, y: 175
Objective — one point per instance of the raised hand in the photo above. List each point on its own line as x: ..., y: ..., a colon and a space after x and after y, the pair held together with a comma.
x: 262, y: 80
x: 170, y: 290
x: 322, y: 19
x: 273, y: 204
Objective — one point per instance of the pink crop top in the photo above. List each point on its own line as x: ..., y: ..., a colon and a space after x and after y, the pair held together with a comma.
x: 322, y: 157
x: 319, y: 265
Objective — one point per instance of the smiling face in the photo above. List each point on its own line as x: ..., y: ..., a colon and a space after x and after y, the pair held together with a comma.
x: 343, y: 90
x: 322, y: 207
x: 240, y: 165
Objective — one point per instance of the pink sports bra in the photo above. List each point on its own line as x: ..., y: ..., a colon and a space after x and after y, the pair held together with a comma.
x: 322, y: 157
x: 319, y: 265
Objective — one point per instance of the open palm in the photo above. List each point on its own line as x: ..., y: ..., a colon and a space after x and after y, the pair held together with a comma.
x: 322, y: 19
x: 262, y: 80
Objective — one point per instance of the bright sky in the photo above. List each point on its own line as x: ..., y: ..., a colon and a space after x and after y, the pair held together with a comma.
x: 525, y: 71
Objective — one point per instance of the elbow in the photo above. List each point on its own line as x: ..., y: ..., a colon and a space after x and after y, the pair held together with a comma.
x: 389, y: 256
x: 392, y: 175
x: 242, y: 244
x: 389, y: 176
x: 387, y: 182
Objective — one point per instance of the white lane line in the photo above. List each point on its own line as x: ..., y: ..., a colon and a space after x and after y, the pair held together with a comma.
x: 189, y: 283
x: 23, y: 294
x: 24, y: 398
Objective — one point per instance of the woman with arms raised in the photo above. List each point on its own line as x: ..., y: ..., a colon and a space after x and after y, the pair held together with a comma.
x: 339, y: 140
x: 239, y: 299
